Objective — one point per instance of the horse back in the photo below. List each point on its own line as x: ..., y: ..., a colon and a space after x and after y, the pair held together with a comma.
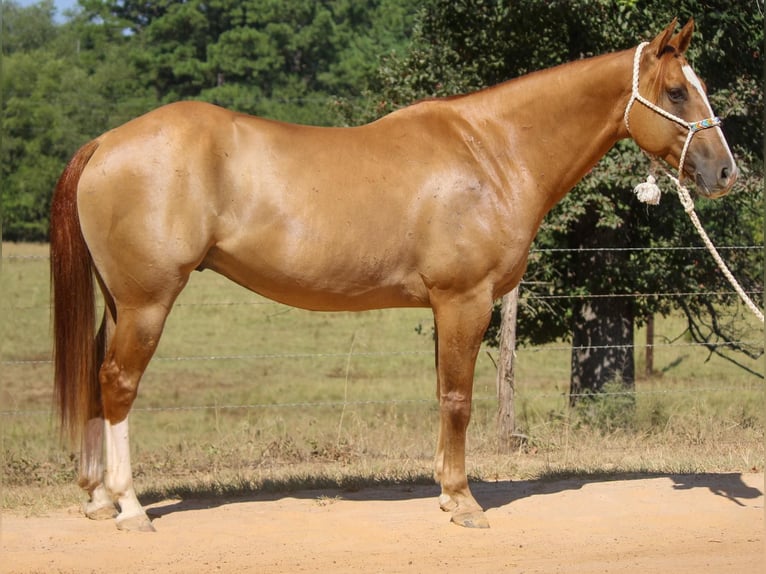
x: 316, y: 217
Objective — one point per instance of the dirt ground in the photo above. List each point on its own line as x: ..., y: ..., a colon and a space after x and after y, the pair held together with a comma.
x: 680, y: 524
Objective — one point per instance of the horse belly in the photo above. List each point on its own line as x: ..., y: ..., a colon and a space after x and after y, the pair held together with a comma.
x: 312, y: 282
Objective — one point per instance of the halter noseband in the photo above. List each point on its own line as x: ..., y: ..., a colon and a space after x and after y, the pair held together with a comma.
x: 693, y: 127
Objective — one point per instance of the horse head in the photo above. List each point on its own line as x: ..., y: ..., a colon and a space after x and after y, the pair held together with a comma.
x: 676, y: 122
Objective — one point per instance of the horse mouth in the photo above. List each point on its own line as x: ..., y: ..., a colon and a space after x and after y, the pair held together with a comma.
x: 715, y: 191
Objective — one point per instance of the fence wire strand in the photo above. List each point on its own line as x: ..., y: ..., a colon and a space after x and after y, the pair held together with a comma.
x: 428, y: 402
x: 536, y: 349
x: 339, y: 404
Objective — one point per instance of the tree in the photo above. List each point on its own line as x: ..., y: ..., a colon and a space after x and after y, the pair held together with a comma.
x: 29, y: 155
x: 284, y: 60
x: 113, y: 60
x: 617, y: 223
x: 61, y: 85
x: 468, y: 44
x: 25, y: 29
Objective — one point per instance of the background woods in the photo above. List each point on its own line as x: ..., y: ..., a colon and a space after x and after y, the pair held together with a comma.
x: 341, y: 62
x: 113, y: 60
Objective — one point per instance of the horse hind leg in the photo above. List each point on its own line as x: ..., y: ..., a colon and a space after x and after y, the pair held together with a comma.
x: 136, y: 335
x: 99, y: 505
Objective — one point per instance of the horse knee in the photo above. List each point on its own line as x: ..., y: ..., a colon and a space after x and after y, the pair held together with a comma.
x: 456, y: 407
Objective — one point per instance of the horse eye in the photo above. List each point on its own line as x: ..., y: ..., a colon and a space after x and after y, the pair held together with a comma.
x: 677, y: 95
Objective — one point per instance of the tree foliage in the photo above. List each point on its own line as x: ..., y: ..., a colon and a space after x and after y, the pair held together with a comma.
x: 319, y: 62
x: 463, y: 45
x: 115, y: 59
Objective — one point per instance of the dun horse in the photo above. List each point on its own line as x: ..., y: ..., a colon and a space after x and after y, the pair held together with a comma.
x: 434, y: 205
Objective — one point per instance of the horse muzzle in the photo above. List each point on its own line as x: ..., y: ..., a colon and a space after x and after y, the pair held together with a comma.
x: 716, y: 182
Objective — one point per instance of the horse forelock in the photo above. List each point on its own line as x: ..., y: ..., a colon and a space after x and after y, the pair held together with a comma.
x: 668, y: 49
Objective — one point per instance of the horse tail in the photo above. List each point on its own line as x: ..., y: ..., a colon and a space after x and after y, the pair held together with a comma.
x: 75, y: 349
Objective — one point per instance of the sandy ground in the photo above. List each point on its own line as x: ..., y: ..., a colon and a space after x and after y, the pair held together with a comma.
x: 680, y: 524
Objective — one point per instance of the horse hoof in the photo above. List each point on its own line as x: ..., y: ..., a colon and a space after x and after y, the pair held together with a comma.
x: 474, y: 519
x: 100, y: 512
x: 138, y: 523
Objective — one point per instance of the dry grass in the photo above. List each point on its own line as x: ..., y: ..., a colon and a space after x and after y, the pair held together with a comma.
x: 341, y: 399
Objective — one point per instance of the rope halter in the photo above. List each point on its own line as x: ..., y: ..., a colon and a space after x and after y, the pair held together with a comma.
x: 693, y: 127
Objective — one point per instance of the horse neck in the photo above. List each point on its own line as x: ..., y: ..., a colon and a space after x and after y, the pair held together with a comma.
x: 558, y: 123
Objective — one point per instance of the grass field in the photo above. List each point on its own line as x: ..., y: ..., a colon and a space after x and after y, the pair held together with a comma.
x: 245, y: 394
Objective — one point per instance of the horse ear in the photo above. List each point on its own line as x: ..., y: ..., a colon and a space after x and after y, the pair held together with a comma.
x: 684, y: 37
x: 658, y: 45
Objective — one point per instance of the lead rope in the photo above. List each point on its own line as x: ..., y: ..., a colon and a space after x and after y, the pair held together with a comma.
x: 649, y: 192
x: 686, y: 201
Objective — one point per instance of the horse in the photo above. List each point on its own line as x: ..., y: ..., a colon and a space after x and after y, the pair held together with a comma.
x: 434, y: 205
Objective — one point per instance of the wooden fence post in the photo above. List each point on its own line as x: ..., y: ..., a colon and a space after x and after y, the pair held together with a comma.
x: 506, y: 416
x: 649, y: 368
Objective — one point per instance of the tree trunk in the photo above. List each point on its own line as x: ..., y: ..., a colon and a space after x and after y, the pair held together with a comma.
x: 602, y: 325
x: 506, y: 416
x: 602, y: 345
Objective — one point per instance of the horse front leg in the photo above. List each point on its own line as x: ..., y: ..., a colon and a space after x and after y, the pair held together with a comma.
x: 460, y: 326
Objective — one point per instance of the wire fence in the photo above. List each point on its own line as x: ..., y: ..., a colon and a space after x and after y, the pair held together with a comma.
x: 39, y: 355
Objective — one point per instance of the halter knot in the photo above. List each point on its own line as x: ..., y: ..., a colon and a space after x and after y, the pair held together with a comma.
x: 648, y: 191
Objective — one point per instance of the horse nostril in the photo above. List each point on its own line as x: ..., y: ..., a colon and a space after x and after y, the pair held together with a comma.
x: 728, y: 175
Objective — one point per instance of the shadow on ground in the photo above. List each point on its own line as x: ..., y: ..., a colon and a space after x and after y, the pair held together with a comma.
x: 489, y: 494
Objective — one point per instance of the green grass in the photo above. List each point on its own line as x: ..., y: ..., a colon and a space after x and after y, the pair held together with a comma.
x: 247, y: 395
